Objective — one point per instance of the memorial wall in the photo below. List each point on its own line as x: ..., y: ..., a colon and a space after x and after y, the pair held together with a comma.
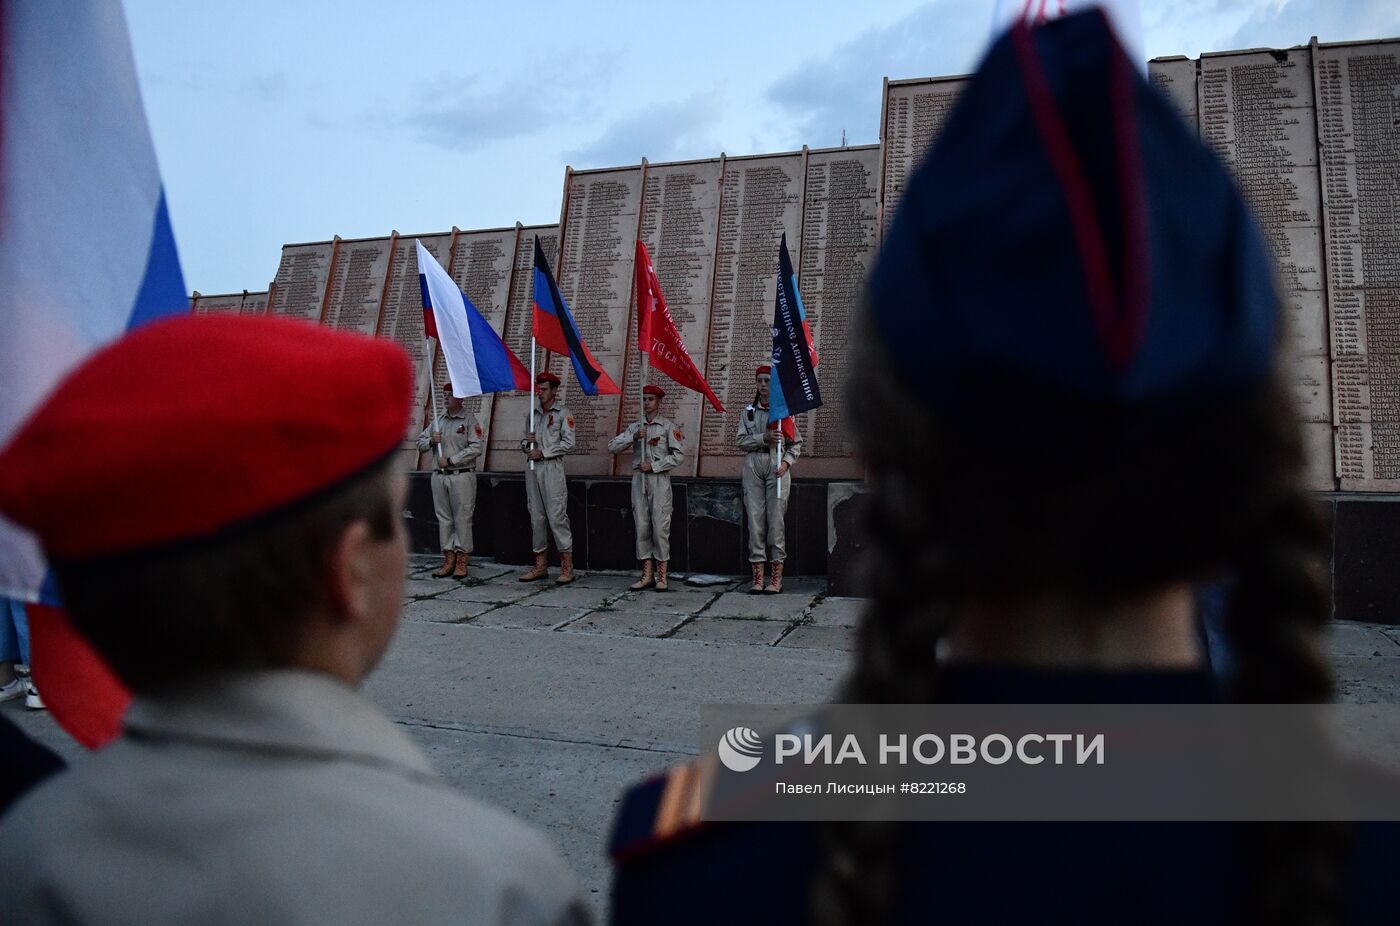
x: 1311, y: 134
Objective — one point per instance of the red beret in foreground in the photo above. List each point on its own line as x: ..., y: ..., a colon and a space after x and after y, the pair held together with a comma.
x: 657, y: 391
x: 547, y: 377
x: 191, y: 425
x: 762, y: 369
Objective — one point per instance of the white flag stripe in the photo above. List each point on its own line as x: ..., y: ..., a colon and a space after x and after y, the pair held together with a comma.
x: 454, y: 330
x: 76, y: 160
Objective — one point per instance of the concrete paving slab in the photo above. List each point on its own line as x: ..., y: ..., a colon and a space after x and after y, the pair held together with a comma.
x: 489, y: 572
x: 838, y: 612
x: 1345, y: 638
x: 839, y: 639
x: 443, y: 612
x: 799, y: 585
x: 498, y: 592
x: 720, y: 630
x: 671, y: 602
x: 527, y: 617
x: 612, y: 580
x: 785, y: 607
x: 1367, y: 679
x: 627, y: 623
x: 573, y: 596
x: 423, y: 588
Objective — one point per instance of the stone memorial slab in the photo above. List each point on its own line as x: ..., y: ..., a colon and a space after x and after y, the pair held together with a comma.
x: 222, y: 304
x: 510, y: 411
x: 594, y: 272
x: 1357, y: 87
x: 913, y: 114
x: 761, y: 200
x: 680, y: 225
x: 1257, y: 111
x: 840, y: 234
x: 1175, y: 77
x: 482, y: 265
x: 357, y: 279
x: 401, y: 320
x: 299, y: 289
x: 255, y: 303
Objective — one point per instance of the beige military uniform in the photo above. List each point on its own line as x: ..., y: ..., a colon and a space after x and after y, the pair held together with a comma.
x: 767, y: 539
x: 454, y: 488
x: 273, y: 797
x: 545, y: 490
x: 660, y: 443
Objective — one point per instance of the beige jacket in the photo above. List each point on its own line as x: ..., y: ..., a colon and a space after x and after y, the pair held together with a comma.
x: 662, y: 444
x: 753, y: 421
x: 555, y: 430
x: 462, y: 439
x: 270, y: 798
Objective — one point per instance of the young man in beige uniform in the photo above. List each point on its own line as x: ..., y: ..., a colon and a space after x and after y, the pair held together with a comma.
x: 657, y: 448
x: 252, y: 781
x: 763, y: 473
x: 546, y: 492
x: 456, y: 440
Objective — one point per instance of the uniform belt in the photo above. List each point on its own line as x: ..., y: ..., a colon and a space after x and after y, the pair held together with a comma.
x: 454, y: 470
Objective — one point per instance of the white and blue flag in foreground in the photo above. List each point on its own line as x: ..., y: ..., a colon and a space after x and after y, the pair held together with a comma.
x: 478, y: 360
x: 86, y: 249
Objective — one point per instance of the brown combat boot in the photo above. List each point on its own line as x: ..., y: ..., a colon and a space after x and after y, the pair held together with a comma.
x: 661, y: 582
x: 539, y: 572
x: 566, y: 568
x: 776, y: 586
x: 460, y: 572
x: 757, y: 578
x: 645, y: 581
x: 449, y: 562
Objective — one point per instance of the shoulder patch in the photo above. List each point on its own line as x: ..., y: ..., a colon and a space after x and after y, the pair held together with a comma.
x: 663, y: 809
x: 570, y: 420
x: 678, y: 435
x: 478, y: 430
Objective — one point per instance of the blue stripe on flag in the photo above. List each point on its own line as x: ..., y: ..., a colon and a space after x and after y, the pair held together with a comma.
x: 162, y: 290
x: 492, y: 364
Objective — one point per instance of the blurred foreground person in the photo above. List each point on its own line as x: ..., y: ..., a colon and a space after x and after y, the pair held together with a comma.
x: 1078, y: 296
x: 239, y: 562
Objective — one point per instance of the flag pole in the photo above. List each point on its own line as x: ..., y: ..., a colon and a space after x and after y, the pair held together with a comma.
x: 778, y: 481
x: 532, y: 394
x: 430, y: 353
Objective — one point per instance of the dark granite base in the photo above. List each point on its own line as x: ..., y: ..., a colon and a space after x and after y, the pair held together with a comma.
x: 708, y: 533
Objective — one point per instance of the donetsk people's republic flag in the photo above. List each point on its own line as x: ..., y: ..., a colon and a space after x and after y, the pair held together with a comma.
x: 793, y: 386
x: 555, y: 331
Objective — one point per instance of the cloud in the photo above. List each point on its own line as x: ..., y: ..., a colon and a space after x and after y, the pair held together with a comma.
x: 266, y: 88
x: 1280, y: 23
x: 666, y: 131
x: 464, y: 114
x: 841, y: 90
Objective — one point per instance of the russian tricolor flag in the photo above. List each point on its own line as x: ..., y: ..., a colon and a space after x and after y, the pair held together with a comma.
x: 555, y: 331
x: 86, y: 254
x: 478, y: 360
x: 86, y: 250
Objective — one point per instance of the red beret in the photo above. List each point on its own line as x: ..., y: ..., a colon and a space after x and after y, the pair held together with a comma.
x: 190, y: 425
x: 763, y: 368
x: 657, y: 391
x: 547, y: 377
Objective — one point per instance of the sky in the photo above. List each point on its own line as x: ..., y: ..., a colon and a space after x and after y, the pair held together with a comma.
x: 279, y: 122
